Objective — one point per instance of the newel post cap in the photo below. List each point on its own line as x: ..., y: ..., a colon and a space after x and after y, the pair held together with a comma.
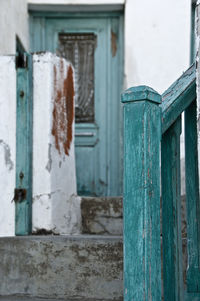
x: 141, y: 93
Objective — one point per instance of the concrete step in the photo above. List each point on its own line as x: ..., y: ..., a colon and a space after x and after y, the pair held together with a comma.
x: 85, y: 267
x: 18, y: 298
x: 102, y: 215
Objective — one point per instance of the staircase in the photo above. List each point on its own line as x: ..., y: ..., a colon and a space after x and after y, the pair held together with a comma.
x: 87, y: 267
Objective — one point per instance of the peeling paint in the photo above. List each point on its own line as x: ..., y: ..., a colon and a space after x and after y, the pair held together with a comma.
x: 49, y: 163
x: 49, y: 195
x: 63, y: 112
x: 54, y: 180
x: 7, y: 155
x: 44, y: 232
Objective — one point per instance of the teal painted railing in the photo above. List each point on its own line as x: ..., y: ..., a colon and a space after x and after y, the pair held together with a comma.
x: 152, y: 122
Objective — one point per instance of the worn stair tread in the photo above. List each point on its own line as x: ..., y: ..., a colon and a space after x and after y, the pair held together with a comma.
x: 71, y: 268
x: 65, y: 237
x: 21, y: 298
x: 102, y: 215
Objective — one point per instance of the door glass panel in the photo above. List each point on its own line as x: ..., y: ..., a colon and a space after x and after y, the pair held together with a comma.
x: 79, y: 50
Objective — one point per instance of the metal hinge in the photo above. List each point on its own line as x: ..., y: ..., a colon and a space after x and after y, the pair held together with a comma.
x: 19, y: 195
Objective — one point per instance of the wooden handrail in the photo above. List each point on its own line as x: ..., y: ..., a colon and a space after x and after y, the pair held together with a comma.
x: 152, y: 128
x: 178, y: 97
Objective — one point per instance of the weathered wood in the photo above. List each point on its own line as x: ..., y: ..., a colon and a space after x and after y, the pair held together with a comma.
x: 178, y: 97
x: 142, y: 133
x: 171, y: 213
x: 23, y: 208
x: 192, y: 199
x: 192, y: 297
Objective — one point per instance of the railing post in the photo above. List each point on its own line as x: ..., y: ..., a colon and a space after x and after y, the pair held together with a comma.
x: 142, y: 135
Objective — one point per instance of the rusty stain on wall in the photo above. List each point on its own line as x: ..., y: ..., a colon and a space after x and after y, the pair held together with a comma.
x: 113, y: 43
x: 63, y: 112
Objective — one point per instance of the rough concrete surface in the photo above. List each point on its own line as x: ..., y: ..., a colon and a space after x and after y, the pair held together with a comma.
x: 102, y: 215
x: 17, y: 298
x: 65, y: 267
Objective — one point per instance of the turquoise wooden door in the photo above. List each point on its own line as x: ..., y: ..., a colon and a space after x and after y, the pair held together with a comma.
x: 93, y: 43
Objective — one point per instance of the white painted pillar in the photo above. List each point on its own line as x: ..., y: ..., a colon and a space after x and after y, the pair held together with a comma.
x: 7, y: 144
x: 56, y: 207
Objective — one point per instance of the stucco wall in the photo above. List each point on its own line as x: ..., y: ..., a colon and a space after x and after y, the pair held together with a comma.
x: 157, y: 42
x: 56, y: 208
x: 13, y: 21
x: 7, y: 143
x: 157, y: 47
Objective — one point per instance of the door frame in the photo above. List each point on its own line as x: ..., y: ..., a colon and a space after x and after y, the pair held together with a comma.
x: 114, y: 149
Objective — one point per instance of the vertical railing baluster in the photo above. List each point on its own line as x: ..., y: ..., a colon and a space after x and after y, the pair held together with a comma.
x: 171, y: 213
x: 192, y: 198
x: 142, y: 134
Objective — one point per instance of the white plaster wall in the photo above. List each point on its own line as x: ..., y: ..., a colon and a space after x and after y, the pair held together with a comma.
x: 157, y: 47
x: 56, y: 206
x: 157, y: 42
x: 13, y: 20
x: 7, y: 144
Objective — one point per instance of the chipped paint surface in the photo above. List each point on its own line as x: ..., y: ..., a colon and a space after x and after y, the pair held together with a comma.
x: 7, y: 143
x: 7, y: 155
x: 49, y: 163
x: 56, y: 206
x: 63, y: 112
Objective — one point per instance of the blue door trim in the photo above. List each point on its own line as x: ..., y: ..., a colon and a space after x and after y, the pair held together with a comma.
x: 23, y: 191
